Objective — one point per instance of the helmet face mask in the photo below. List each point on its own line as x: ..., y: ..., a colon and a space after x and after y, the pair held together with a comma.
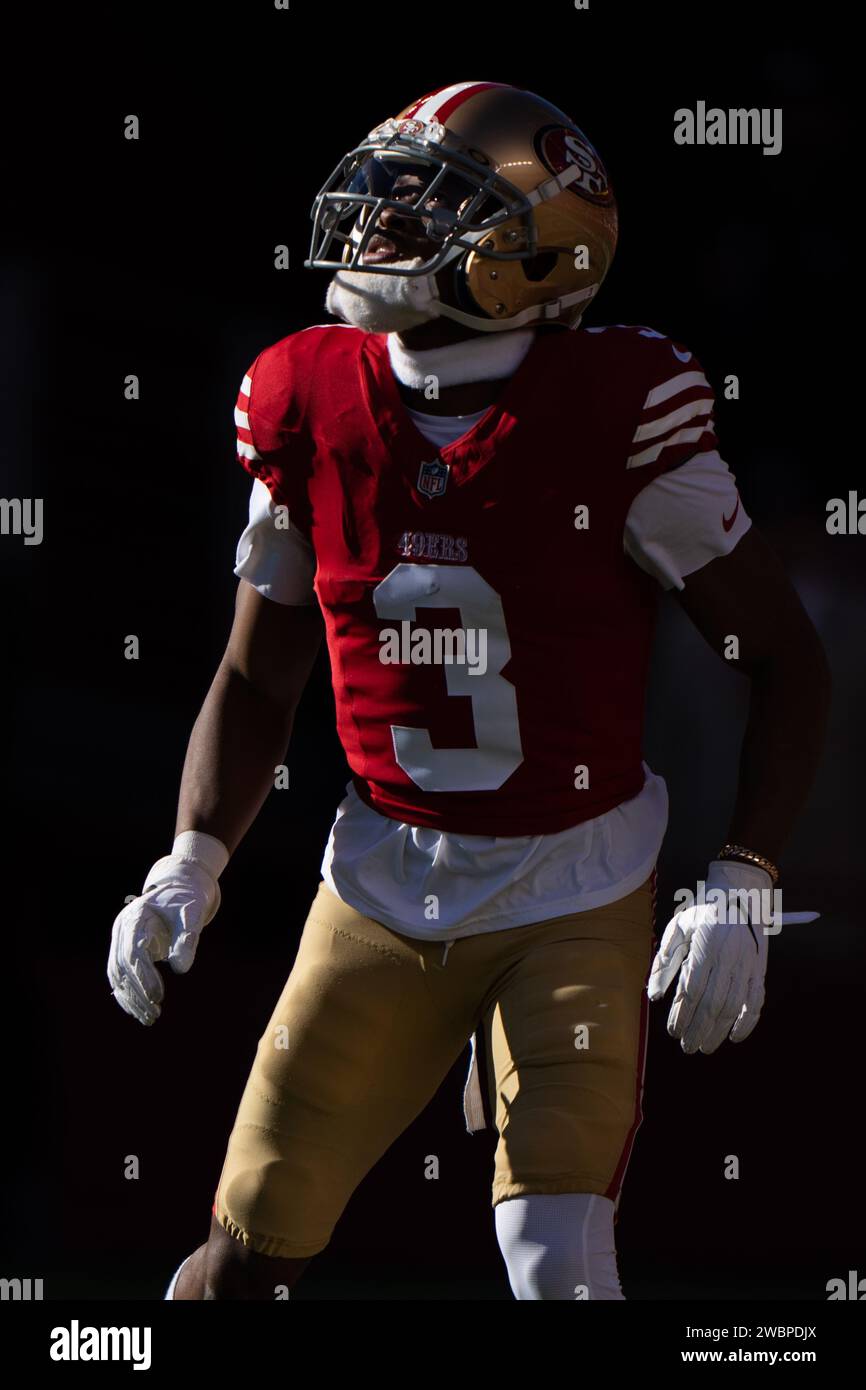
x: 455, y: 200
x: 487, y: 182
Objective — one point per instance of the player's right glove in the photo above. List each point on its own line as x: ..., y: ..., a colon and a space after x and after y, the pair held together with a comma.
x: 180, y: 896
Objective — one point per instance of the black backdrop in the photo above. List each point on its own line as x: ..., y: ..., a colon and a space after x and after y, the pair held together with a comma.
x: 155, y: 257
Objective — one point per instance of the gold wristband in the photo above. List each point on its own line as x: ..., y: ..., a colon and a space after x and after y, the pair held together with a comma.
x: 749, y: 856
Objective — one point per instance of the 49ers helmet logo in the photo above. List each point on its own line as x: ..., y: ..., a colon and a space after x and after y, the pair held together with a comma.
x: 558, y: 147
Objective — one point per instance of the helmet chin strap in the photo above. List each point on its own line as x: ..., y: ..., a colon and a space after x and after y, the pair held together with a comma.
x: 537, y: 314
x: 393, y: 303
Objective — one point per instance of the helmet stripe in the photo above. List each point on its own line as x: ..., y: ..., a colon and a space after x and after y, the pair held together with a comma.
x: 439, y: 105
x: 411, y: 112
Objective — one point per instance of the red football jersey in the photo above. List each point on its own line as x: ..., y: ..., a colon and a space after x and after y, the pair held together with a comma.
x: 510, y: 539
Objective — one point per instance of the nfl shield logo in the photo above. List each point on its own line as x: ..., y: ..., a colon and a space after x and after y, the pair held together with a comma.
x: 433, y: 478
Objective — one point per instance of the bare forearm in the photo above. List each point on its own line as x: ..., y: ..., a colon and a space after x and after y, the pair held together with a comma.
x: 781, y: 749
x: 748, y: 593
x: 239, y: 738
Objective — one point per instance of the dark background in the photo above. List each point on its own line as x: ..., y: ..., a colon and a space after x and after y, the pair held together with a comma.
x: 156, y: 258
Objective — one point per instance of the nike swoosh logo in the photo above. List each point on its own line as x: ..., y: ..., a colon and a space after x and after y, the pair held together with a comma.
x: 683, y: 356
x: 728, y: 521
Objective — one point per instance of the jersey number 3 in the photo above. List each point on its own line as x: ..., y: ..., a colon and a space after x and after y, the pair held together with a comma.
x: 494, y: 701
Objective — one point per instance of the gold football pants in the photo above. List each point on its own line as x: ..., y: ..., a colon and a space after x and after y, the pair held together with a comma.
x: 370, y: 1022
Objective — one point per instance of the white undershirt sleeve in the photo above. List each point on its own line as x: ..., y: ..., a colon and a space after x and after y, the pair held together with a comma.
x: 684, y: 519
x: 275, y: 558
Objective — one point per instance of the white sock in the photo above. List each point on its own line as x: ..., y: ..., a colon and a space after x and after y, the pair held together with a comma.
x: 169, y: 1293
x: 559, y: 1246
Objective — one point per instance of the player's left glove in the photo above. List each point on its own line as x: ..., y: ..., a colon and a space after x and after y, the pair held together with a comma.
x: 720, y: 952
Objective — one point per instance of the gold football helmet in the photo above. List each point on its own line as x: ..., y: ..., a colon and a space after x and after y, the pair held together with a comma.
x: 509, y: 194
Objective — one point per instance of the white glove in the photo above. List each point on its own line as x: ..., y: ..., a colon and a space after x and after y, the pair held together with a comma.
x: 180, y: 896
x: 722, y: 960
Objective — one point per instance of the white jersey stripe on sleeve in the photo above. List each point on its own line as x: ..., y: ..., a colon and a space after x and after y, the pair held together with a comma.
x: 673, y: 387
x: 681, y: 437
x: 248, y: 451
x: 652, y: 428
x: 242, y: 418
x: 246, y: 385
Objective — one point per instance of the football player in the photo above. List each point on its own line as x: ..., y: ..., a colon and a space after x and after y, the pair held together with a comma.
x: 483, y: 501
